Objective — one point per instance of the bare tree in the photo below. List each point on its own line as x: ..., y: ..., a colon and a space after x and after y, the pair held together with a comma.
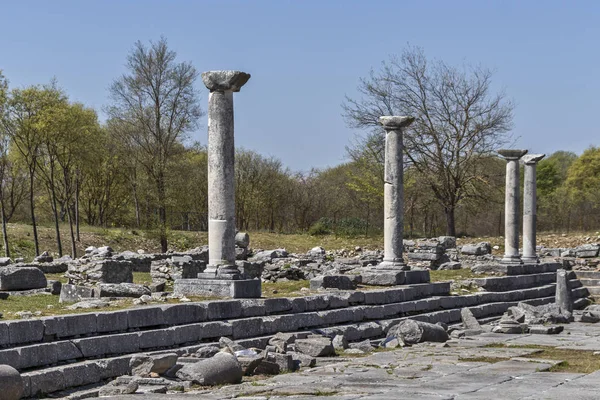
x: 459, y: 121
x: 158, y: 104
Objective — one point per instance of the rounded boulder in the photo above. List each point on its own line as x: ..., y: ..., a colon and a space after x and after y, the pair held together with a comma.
x: 11, y: 384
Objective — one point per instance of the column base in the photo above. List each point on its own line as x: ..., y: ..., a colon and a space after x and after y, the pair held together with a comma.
x: 530, y: 260
x: 511, y: 260
x: 234, y: 288
x: 391, y: 266
x: 228, y: 272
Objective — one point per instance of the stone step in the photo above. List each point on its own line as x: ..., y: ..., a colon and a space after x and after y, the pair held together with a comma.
x: 526, y: 269
x: 588, y: 274
x: 58, y: 378
x: 506, y: 283
x: 590, y: 281
x: 110, y: 345
x: 103, y: 354
x: 575, y: 283
x: 20, y: 332
x: 593, y: 290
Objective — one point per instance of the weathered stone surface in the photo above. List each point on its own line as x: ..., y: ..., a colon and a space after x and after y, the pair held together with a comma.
x: 73, y: 293
x: 242, y: 239
x: 176, y: 267
x: 315, y: 347
x: 479, y: 249
x: 242, y: 288
x: 141, y: 365
x: 563, y: 292
x: 546, y: 329
x: 225, y: 80
x: 451, y: 265
x: 114, y: 390
x: 220, y: 369
x: 587, y: 250
x: 121, y: 290
x: 11, y: 384
x: 21, y: 278
x: 412, y: 332
x: 343, y: 282
x: 469, y: 320
x: 340, y: 342
x: 104, y: 271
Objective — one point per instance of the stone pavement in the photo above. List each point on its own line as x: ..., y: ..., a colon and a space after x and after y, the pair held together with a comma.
x: 429, y: 371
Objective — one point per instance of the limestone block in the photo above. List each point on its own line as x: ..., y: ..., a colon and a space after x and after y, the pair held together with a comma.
x: 247, y: 327
x: 21, y: 278
x: 478, y: 249
x: 46, y: 381
x: 224, y: 309
x: 343, y: 282
x: 315, y: 347
x: 25, y: 331
x: 113, y: 321
x: 145, y: 317
x: 155, y: 339
x: 73, y: 293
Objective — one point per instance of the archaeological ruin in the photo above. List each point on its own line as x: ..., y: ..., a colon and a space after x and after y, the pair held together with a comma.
x: 206, y: 325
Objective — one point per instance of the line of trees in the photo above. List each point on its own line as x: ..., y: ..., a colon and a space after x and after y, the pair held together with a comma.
x: 59, y: 165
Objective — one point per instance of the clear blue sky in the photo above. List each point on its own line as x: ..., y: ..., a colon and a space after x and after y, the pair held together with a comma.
x: 304, y: 56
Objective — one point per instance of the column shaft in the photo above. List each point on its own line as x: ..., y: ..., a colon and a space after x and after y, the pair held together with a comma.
x: 221, y: 190
x: 511, y: 221
x: 529, y: 213
x: 393, y: 198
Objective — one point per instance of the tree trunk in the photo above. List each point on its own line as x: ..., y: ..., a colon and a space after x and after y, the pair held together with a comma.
x: 450, y: 221
x: 136, y: 202
x: 4, y: 232
x: 73, y: 246
x: 32, y: 209
x: 55, y: 211
x: 162, y: 213
x: 77, y: 205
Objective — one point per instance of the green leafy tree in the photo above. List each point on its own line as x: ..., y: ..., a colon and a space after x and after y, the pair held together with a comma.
x: 157, y: 99
x: 458, y: 121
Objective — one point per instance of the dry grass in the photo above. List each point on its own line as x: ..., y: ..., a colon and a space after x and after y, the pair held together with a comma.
x: 574, y: 361
x: 21, y: 240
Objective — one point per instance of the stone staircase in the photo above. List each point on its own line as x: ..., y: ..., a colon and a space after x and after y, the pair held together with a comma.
x: 68, y: 351
x: 591, y: 281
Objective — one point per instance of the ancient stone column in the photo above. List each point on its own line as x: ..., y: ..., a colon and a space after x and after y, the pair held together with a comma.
x: 563, y: 293
x: 221, y: 188
x: 393, y: 225
x: 529, y: 207
x: 511, y: 206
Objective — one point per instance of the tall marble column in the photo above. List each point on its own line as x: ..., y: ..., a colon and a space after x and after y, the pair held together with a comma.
x: 529, y: 207
x: 221, y: 160
x: 511, y: 206
x: 393, y: 225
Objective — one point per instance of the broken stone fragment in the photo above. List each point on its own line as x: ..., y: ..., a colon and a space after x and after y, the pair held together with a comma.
x: 315, y: 347
x: 412, y: 332
x: 469, y: 320
x: 220, y: 369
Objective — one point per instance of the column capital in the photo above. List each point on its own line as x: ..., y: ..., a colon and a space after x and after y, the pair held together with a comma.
x: 223, y: 81
x: 511, y: 154
x: 393, y: 123
x: 532, y: 159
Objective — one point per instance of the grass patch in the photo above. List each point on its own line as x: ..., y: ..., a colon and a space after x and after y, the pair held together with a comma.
x: 142, y: 278
x: 285, y: 289
x: 453, y: 274
x: 47, y: 305
x: 575, y: 361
